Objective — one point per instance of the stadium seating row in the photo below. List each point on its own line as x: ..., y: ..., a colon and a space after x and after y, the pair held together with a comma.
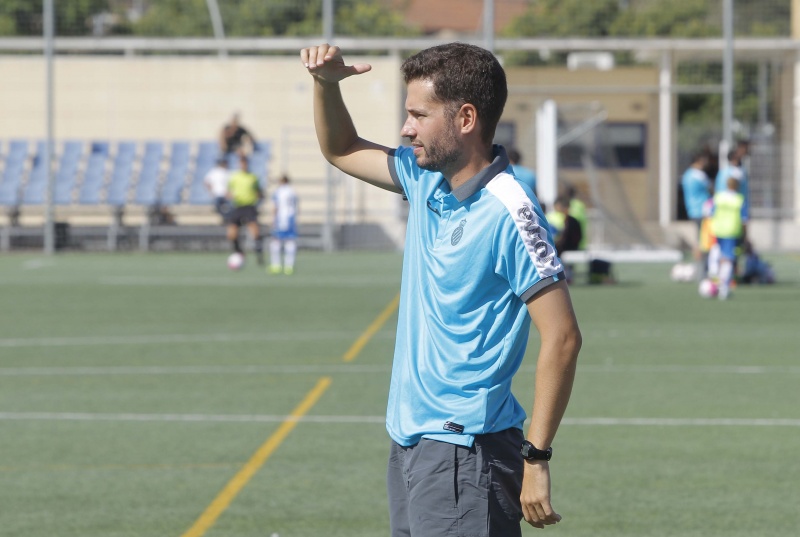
x: 119, y: 174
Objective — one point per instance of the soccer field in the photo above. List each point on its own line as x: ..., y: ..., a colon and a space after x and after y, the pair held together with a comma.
x: 164, y: 395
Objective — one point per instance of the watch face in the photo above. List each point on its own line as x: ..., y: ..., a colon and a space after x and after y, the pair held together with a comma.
x: 529, y: 452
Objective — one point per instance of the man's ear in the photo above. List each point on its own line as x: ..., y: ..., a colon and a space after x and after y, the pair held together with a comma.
x: 467, y: 118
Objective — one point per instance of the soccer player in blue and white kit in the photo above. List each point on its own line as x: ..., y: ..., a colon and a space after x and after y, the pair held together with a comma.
x: 479, y: 264
x: 284, y: 228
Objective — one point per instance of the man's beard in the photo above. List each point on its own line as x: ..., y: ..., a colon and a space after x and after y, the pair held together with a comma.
x: 441, y: 154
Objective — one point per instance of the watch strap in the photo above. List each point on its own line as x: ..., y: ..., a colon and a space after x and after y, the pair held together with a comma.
x: 532, y: 453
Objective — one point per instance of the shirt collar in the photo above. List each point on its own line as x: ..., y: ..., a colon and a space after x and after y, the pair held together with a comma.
x: 480, y: 179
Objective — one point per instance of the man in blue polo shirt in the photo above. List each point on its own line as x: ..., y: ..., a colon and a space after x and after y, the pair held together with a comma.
x: 479, y: 264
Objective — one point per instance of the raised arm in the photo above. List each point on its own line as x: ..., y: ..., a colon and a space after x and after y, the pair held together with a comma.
x: 554, y: 318
x: 337, y: 135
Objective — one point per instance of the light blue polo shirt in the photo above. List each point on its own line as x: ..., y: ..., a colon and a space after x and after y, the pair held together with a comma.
x: 696, y: 191
x: 473, y: 256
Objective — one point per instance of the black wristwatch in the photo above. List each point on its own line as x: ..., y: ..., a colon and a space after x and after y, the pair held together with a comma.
x: 530, y: 453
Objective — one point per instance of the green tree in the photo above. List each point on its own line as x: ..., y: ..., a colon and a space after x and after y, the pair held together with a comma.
x: 762, y: 19
x: 356, y: 18
x: 175, y: 18
x: 257, y: 18
x: 560, y: 18
x: 675, y: 18
x: 25, y: 18
x: 565, y: 18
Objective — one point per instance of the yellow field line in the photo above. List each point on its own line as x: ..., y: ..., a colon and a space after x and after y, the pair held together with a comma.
x: 240, y: 480
x: 235, y: 485
x: 376, y: 325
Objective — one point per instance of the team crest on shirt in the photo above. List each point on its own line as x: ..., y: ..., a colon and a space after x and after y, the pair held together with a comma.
x: 458, y: 232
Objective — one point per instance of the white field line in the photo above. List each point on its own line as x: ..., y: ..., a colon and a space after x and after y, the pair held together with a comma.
x: 192, y: 418
x: 171, y: 338
x: 300, y: 369
x: 193, y: 370
x: 241, y: 280
x: 34, y: 264
x: 213, y: 281
x: 266, y: 418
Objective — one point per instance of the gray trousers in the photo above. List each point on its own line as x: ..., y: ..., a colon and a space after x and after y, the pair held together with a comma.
x: 445, y: 490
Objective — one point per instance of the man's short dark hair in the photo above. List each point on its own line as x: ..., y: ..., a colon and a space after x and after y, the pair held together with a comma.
x: 462, y: 74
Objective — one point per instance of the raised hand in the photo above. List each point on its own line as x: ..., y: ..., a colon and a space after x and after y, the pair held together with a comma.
x: 325, y: 62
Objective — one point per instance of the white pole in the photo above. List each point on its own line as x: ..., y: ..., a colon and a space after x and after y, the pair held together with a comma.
x: 327, y: 20
x: 727, y: 72
x: 328, y: 241
x: 796, y: 152
x: 795, y: 174
x: 665, y: 153
x: 216, y: 24
x: 547, y: 153
x: 488, y: 24
x: 49, y: 227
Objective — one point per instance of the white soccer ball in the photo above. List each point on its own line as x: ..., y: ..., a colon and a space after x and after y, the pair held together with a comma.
x: 235, y: 261
x: 708, y: 288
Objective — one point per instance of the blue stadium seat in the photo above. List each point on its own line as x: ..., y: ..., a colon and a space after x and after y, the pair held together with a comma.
x: 67, y: 172
x: 259, y: 160
x: 172, y: 190
x: 120, y: 183
x: 34, y: 191
x: 12, y: 174
x: 233, y: 161
x: 94, y: 177
x: 207, y: 154
x: 149, y: 175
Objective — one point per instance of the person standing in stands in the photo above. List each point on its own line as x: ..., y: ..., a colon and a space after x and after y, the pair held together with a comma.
x: 244, y: 193
x: 235, y: 139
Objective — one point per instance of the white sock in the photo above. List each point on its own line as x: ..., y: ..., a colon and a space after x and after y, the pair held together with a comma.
x: 725, y: 273
x: 713, y: 261
x: 290, y: 251
x: 275, y: 252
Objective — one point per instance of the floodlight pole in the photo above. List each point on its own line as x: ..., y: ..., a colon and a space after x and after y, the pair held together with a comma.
x: 49, y: 226
x: 727, y: 75
x: 327, y: 20
x: 488, y: 25
x: 795, y: 174
x: 328, y: 238
x: 216, y: 24
x: 666, y: 147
